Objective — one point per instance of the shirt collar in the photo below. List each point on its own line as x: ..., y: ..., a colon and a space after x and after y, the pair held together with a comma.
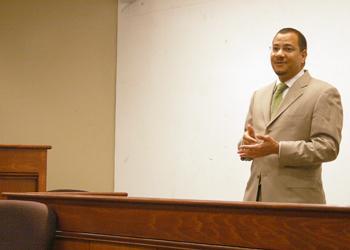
x: 291, y: 81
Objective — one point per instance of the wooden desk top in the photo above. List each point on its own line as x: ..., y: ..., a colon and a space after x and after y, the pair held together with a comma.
x: 121, y: 197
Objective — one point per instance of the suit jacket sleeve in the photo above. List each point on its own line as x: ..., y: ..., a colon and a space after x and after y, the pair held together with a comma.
x: 325, y: 134
x: 249, y: 120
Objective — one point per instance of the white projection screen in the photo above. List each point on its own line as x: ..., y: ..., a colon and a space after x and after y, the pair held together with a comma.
x: 186, y: 70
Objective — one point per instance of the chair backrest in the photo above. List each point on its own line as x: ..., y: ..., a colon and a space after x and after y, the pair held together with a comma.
x: 26, y: 225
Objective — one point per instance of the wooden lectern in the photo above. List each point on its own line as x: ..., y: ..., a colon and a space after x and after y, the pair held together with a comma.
x: 23, y: 168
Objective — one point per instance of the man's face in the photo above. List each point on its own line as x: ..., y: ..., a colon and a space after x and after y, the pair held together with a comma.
x: 286, y: 58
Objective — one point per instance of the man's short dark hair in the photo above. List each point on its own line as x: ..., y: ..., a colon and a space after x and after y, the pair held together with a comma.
x: 301, y: 38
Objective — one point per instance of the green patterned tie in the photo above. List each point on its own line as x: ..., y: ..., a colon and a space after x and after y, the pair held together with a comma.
x: 277, y: 97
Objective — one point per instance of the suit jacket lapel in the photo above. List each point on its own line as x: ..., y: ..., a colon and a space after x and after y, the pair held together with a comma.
x: 267, y: 102
x: 293, y: 94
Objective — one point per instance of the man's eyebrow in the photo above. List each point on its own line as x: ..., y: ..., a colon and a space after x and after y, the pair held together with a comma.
x: 283, y: 45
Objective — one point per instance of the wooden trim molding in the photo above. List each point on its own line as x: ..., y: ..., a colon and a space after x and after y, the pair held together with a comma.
x: 137, y: 242
x: 18, y: 146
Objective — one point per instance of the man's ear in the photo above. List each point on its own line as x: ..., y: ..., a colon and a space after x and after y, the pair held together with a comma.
x: 304, y: 55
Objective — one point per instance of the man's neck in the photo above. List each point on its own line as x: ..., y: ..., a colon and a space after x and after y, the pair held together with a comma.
x: 297, y: 75
x: 293, y: 79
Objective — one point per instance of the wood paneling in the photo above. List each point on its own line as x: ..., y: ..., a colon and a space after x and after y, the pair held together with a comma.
x: 23, y: 168
x: 111, y: 246
x: 19, y: 182
x: 71, y: 244
x: 140, y: 223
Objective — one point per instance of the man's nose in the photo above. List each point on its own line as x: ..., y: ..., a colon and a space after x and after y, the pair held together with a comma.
x: 280, y: 52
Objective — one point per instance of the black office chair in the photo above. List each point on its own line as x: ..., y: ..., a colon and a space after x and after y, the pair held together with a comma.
x: 26, y: 225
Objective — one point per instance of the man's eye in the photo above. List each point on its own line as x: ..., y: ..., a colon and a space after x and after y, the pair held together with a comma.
x: 289, y: 49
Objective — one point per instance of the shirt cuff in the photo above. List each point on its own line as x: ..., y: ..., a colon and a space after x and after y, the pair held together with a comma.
x: 279, y: 149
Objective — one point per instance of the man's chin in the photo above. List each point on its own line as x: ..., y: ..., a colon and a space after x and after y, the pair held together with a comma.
x: 279, y: 72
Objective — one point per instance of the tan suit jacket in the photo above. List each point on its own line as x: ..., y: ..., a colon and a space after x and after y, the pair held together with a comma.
x: 308, y: 126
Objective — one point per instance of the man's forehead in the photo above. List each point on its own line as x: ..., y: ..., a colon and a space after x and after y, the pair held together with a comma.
x: 288, y: 38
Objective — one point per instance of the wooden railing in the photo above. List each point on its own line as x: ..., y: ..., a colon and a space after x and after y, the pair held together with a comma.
x: 93, y: 221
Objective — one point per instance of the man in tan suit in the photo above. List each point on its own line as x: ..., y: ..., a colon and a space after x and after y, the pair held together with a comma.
x: 292, y: 127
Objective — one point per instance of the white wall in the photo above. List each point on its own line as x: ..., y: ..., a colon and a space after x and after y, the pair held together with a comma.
x: 186, y: 71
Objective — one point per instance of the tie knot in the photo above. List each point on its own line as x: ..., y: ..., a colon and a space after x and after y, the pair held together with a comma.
x: 281, y: 87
